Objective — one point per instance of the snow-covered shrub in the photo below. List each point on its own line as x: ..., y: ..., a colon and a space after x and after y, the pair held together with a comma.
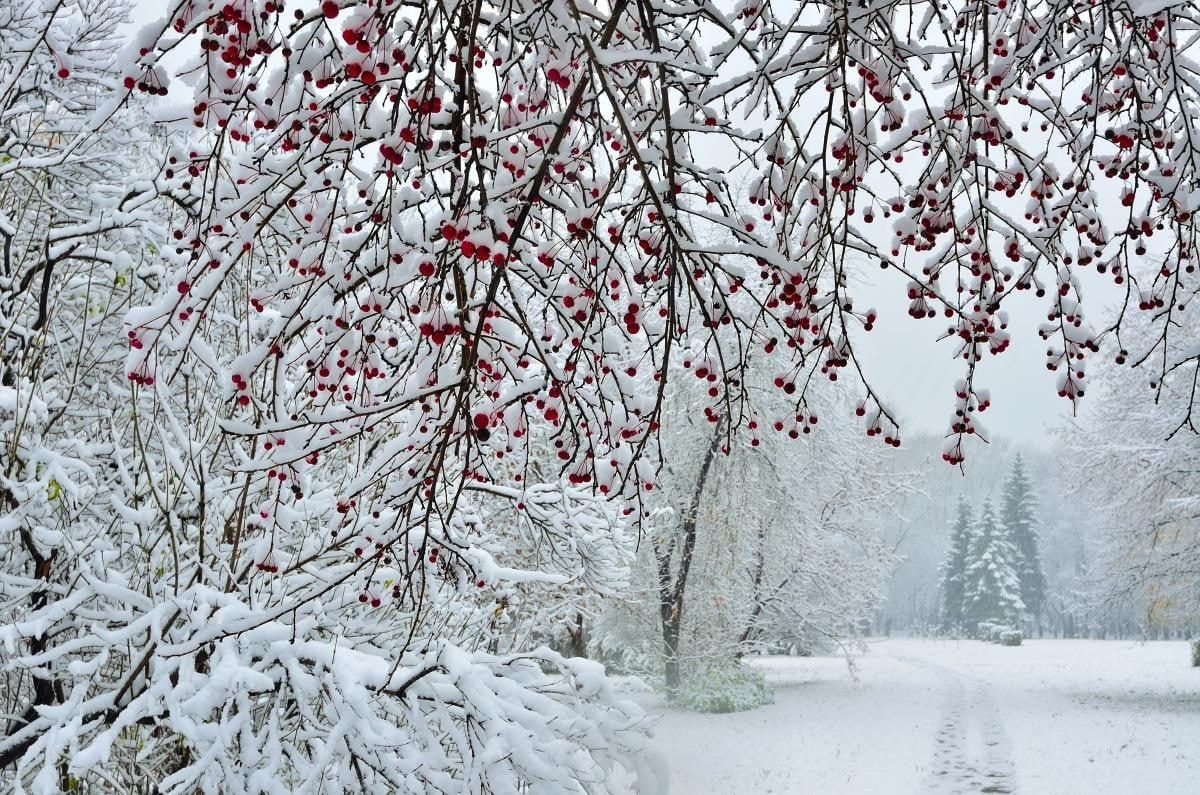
x: 628, y: 643
x: 999, y: 633
x: 715, y: 686
x: 1196, y: 653
x: 1011, y: 637
x: 790, y: 646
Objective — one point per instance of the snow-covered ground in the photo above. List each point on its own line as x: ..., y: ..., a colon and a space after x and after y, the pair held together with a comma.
x: 923, y: 716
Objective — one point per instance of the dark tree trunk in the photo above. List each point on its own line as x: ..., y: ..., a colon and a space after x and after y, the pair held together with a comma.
x: 671, y: 590
x: 578, y: 636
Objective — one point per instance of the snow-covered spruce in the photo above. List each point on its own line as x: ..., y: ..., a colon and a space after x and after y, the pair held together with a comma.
x: 952, y: 585
x: 984, y: 558
x: 1018, y: 514
x: 993, y: 590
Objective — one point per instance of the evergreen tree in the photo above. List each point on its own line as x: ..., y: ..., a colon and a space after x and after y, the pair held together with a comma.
x: 993, y: 590
x: 1018, y: 514
x: 952, y: 586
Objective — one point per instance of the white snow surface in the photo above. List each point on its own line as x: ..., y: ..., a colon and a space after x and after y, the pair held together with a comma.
x: 943, y: 716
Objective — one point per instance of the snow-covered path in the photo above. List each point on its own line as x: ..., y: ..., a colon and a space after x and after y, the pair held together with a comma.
x: 1054, y: 717
x: 972, y: 750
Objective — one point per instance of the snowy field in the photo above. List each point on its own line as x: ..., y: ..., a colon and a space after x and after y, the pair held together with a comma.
x: 1052, y: 716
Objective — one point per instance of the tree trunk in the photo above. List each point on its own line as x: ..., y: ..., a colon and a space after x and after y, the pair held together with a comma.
x: 760, y: 565
x: 671, y: 650
x: 671, y: 590
x: 578, y: 636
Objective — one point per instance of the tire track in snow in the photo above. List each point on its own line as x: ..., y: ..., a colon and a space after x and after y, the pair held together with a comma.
x: 971, y: 748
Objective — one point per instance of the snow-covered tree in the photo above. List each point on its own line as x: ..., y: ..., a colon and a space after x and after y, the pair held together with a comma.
x: 1134, y: 468
x: 487, y: 154
x: 1018, y: 514
x: 425, y: 272
x: 921, y: 530
x: 158, y: 583
x: 953, y: 581
x: 79, y: 220
x: 770, y: 546
x: 993, y: 590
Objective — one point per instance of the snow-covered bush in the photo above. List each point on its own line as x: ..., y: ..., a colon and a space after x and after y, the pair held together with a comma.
x: 723, y: 686
x: 1011, y: 637
x: 1195, y: 653
x: 999, y: 633
x: 628, y: 640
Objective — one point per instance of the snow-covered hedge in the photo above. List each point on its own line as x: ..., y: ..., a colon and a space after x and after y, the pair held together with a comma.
x: 988, y: 631
x: 1000, y: 633
x: 724, y: 687
x: 1196, y: 652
